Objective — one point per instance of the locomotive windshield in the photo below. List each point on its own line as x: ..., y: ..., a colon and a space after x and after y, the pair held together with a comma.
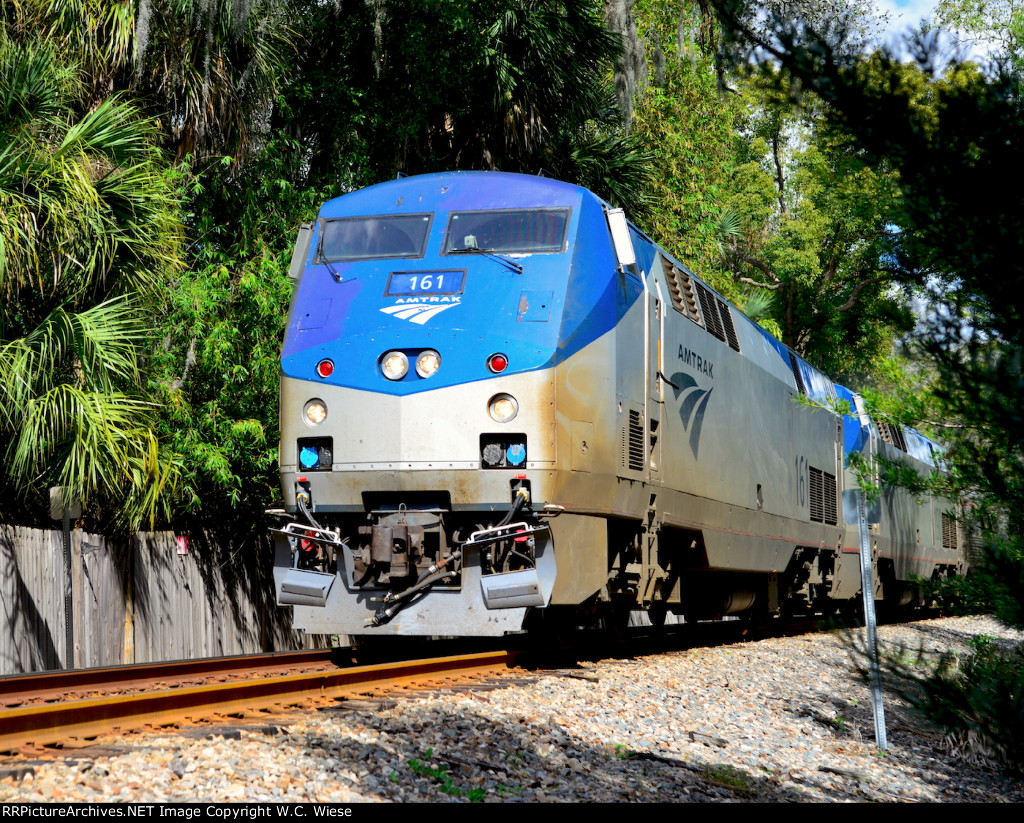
x: 524, y: 231
x: 374, y: 238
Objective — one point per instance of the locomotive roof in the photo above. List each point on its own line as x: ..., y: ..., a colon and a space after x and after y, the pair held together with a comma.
x: 463, y: 190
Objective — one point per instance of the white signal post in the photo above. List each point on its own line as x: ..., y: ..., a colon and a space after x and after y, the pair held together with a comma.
x: 867, y: 584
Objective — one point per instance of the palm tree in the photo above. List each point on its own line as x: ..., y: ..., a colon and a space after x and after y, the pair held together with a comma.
x: 213, y: 66
x: 208, y: 68
x: 417, y: 86
x: 87, y: 230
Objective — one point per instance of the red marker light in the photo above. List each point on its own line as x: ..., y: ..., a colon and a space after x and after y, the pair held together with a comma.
x: 325, y: 368
x: 497, y: 363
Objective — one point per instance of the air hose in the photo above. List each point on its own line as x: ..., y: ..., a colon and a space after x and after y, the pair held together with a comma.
x: 302, y: 499
x: 394, y: 603
x: 522, y: 497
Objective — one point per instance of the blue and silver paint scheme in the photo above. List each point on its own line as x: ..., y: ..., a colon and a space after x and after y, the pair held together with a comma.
x: 676, y: 457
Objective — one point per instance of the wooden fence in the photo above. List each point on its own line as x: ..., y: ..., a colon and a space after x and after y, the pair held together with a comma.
x: 148, y: 598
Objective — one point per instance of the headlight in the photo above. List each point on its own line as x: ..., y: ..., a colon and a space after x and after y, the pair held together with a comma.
x: 315, y: 412
x: 394, y: 365
x: 503, y: 407
x: 427, y: 363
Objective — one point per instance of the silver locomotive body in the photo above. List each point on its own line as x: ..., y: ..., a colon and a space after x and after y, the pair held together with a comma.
x: 593, y: 428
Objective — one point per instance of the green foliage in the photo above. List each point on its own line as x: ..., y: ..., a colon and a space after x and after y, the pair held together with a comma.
x: 88, y: 231
x: 208, y: 72
x: 968, y: 595
x: 979, y: 694
x: 95, y: 36
x: 211, y: 69
x: 215, y: 379
x: 201, y: 67
x: 215, y: 372
x: 420, y: 86
x: 814, y: 233
x: 757, y: 306
x: 991, y: 23
x: 758, y: 197
x: 685, y: 124
x: 444, y: 779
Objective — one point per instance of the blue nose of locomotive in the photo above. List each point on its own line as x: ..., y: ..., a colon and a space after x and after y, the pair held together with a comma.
x: 436, y: 280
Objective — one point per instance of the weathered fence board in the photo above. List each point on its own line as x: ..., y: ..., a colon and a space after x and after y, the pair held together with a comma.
x: 134, y: 601
x: 31, y: 577
x: 99, y: 600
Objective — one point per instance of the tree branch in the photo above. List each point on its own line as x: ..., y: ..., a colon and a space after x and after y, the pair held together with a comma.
x: 760, y: 266
x: 751, y: 282
x: 779, y: 178
x: 856, y: 292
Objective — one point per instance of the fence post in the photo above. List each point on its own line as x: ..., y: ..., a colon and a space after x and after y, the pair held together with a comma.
x: 63, y: 509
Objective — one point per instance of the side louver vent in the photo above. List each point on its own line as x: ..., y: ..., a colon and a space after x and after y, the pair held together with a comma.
x: 717, y: 316
x: 709, y: 308
x: 824, y: 508
x: 948, y: 532
x: 800, y: 387
x: 893, y: 435
x: 633, y: 442
x: 725, y: 310
x: 681, y: 288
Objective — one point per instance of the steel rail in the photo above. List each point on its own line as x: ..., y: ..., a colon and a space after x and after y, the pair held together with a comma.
x: 50, y: 724
x: 43, y: 685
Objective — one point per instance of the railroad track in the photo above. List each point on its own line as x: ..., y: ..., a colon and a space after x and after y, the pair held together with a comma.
x: 68, y: 721
x: 52, y: 686
x: 72, y: 709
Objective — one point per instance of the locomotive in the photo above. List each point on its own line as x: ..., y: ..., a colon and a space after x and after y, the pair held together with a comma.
x: 502, y: 403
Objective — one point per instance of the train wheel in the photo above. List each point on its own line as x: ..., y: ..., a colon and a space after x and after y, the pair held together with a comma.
x: 657, y: 613
x: 614, y: 619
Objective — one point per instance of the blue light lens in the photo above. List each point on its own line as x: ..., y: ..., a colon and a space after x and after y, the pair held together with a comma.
x: 516, y: 454
x: 309, y: 457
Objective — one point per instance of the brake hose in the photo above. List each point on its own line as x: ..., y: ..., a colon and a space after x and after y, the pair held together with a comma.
x: 394, y: 603
x: 517, y: 505
x: 301, y: 499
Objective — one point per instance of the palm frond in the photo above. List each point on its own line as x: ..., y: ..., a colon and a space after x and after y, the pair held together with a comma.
x: 614, y: 168
x: 729, y: 225
x: 88, y: 225
x: 32, y: 86
x: 756, y: 305
x: 86, y: 434
x: 96, y: 348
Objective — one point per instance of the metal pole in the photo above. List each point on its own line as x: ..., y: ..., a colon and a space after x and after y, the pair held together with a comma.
x: 868, y: 591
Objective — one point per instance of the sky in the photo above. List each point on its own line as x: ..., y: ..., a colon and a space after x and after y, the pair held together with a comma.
x: 904, y: 14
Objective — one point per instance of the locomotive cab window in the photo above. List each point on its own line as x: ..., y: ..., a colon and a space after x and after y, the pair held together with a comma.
x: 523, y: 231
x: 348, y: 239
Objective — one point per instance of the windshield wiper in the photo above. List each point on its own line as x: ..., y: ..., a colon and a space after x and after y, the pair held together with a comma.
x: 333, y: 271
x: 489, y: 253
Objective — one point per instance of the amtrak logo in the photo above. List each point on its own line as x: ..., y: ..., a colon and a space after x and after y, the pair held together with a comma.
x: 418, y: 313
x: 694, y: 404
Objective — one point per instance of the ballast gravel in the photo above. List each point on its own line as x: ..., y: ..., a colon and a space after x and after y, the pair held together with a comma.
x: 781, y: 720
